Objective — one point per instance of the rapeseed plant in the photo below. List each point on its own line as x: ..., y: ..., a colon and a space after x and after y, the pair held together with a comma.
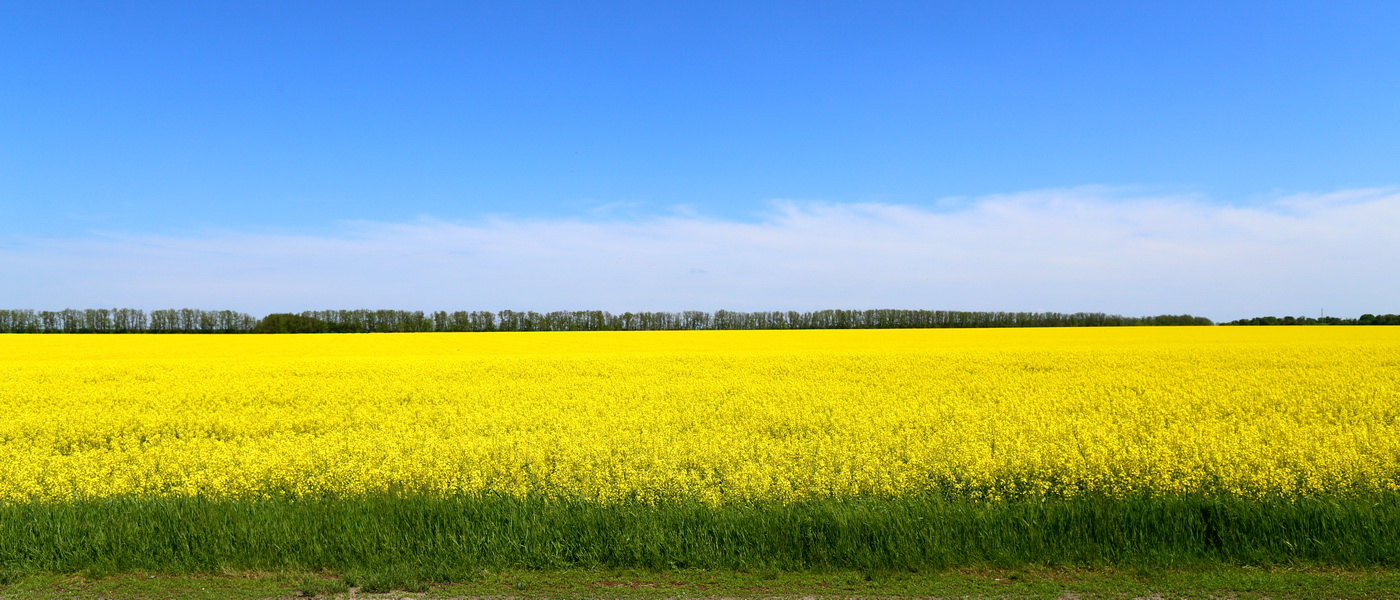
x: 715, y: 417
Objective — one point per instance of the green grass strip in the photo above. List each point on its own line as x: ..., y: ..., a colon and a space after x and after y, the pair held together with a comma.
x: 438, y: 538
x: 569, y: 584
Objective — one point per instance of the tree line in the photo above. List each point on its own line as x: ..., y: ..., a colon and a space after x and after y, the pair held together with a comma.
x: 126, y: 320
x: 188, y: 320
x: 1366, y: 319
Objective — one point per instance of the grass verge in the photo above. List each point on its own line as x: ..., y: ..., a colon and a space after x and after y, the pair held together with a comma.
x: 408, y: 537
x: 1243, y: 583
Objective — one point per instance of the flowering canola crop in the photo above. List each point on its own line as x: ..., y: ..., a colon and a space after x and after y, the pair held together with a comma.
x: 713, y: 416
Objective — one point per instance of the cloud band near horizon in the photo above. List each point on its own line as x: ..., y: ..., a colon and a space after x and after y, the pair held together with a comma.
x: 1081, y: 249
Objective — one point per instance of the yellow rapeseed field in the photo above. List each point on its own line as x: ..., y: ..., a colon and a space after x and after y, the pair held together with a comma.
x: 719, y: 416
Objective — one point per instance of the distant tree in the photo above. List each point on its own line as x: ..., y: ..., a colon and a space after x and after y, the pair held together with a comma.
x: 291, y: 323
x: 188, y: 320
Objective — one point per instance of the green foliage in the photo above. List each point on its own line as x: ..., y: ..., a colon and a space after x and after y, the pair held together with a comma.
x: 312, y: 586
x: 403, y: 541
x: 125, y: 320
x: 187, y: 320
x: 1366, y: 319
x: 290, y: 323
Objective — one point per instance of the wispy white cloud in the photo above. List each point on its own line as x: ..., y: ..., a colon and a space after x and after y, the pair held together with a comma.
x: 1094, y: 249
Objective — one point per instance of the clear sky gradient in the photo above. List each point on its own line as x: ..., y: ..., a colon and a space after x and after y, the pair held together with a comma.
x: 1229, y: 159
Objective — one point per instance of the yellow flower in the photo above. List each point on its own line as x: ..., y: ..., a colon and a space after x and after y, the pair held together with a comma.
x: 713, y: 416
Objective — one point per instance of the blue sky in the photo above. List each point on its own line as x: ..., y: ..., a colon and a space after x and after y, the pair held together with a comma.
x: 152, y: 153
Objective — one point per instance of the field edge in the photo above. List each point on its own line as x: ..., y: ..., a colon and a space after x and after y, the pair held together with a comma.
x: 447, y: 537
x: 571, y: 584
